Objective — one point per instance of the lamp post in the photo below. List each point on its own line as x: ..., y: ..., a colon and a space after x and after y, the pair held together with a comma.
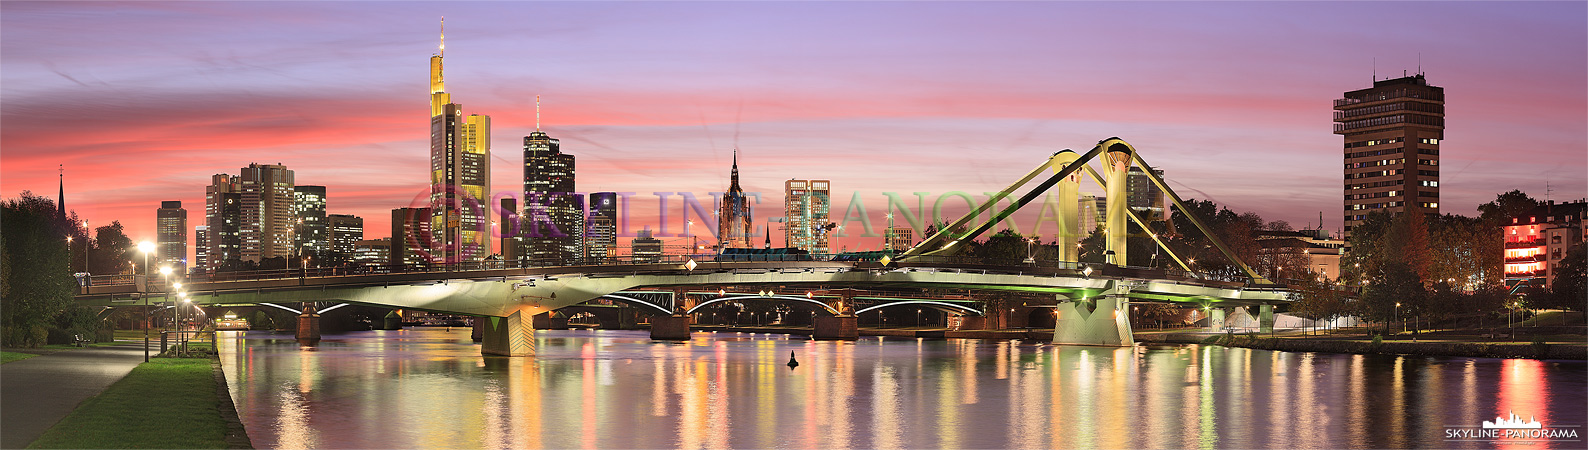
x: 146, y: 248
x: 1031, y: 256
x: 1398, y: 314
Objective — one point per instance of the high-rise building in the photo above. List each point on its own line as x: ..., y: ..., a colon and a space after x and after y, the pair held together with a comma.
x: 1093, y: 210
x: 223, y: 222
x: 646, y: 249
x: 805, y: 207
x: 601, y: 237
x: 311, y: 234
x: 171, y: 236
x: 1537, y: 240
x: 553, y: 213
x: 201, y: 247
x: 372, y: 252
x: 899, y: 239
x: 267, y: 211
x: 512, y: 241
x: 411, y: 239
x: 345, y: 232
x: 460, y: 170
x: 733, y: 220
x: 1392, y: 132
x: 1143, y: 196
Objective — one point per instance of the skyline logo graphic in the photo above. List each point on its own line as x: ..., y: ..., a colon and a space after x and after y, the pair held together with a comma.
x: 1514, y: 422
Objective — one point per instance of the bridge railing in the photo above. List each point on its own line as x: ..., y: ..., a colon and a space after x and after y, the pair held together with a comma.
x: 650, y: 263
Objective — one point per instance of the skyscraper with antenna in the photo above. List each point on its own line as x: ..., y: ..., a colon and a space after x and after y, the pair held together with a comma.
x: 553, y: 220
x: 1392, y: 136
x: 460, y: 170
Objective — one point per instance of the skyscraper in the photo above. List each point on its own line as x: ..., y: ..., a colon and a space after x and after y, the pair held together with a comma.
x: 512, y: 241
x: 1392, y: 133
x: 805, y: 205
x: 601, y: 237
x: 222, y: 222
x: 201, y: 248
x: 345, y: 232
x: 267, y: 211
x: 311, y: 235
x: 733, y: 220
x: 553, y: 214
x: 410, y: 237
x: 1143, y: 196
x: 171, y: 236
x: 460, y: 170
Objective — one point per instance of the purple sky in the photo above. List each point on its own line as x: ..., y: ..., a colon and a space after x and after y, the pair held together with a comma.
x: 144, y: 101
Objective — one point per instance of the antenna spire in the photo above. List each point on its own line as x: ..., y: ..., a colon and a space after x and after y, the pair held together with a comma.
x: 443, y: 36
x: 537, y: 113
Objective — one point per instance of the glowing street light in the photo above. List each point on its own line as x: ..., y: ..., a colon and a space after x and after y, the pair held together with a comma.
x: 146, y: 248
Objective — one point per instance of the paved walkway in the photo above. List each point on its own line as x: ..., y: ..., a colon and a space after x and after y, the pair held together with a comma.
x: 37, y: 392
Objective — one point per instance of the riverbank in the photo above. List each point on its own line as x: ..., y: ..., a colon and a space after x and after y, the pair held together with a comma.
x: 164, y: 403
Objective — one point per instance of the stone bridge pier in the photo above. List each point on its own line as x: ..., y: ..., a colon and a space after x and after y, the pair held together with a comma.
x: 1103, y: 321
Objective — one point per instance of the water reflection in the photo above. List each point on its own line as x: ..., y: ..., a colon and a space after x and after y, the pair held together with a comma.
x: 607, y: 389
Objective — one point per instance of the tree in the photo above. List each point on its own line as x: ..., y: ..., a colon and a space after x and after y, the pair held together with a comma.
x: 37, y: 283
x: 1394, y: 292
x: 1505, y: 206
x: 1568, y: 290
x: 1318, y: 300
x: 1470, y: 252
x: 112, y: 251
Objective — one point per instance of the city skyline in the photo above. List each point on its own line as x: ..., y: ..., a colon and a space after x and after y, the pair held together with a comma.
x: 948, y: 97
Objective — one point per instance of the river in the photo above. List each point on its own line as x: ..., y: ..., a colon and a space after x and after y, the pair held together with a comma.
x: 430, y: 388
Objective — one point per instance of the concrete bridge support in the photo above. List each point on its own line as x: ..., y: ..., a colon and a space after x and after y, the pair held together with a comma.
x: 1265, y: 318
x: 308, y: 326
x: 836, y: 328
x: 513, y: 335
x: 1216, y: 319
x: 1105, y: 321
x: 393, y: 321
x: 670, y: 328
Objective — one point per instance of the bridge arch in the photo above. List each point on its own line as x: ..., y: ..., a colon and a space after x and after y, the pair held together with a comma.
x: 824, y: 306
x: 634, y: 301
x: 937, y: 305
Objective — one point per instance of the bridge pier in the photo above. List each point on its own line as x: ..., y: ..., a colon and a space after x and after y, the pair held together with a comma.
x: 1265, y: 318
x: 670, y: 328
x: 513, y: 335
x: 1215, y: 319
x: 1106, y: 322
x: 836, y: 328
x: 393, y: 321
x: 308, y: 332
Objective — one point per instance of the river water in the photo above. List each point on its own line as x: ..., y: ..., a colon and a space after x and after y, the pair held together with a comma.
x: 430, y: 388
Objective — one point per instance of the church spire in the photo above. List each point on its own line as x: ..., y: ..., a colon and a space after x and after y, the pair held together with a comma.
x: 60, y: 199
x: 733, y: 185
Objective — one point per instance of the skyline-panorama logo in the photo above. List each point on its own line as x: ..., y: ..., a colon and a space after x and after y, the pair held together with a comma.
x: 1513, y: 429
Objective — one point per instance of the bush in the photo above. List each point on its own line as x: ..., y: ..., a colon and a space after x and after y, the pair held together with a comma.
x: 1378, y: 340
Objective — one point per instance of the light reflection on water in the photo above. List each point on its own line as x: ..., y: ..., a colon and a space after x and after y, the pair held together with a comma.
x: 430, y: 388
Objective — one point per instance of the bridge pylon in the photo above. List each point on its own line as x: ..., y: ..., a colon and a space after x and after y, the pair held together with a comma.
x: 1104, y: 320
x: 308, y: 332
x: 513, y: 335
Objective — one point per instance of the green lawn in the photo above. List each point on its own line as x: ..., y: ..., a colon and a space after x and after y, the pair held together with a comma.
x: 6, y: 357
x: 164, y: 403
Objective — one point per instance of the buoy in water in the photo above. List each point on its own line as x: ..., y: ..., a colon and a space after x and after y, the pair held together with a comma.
x: 792, y: 363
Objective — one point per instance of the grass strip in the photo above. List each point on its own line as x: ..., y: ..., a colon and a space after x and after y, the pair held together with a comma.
x: 164, y: 403
x: 6, y: 357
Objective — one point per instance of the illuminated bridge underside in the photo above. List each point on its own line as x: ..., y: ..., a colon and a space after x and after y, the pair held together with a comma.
x: 504, y: 292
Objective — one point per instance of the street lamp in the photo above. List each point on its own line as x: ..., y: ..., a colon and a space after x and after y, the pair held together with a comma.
x: 146, y: 248
x: 1398, y: 315
x: 1031, y: 257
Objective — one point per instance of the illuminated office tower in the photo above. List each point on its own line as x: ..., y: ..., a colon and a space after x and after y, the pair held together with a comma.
x: 460, y: 169
x: 1392, y: 132
x: 411, y: 239
x: 805, y: 206
x: 1143, y: 196
x: 601, y: 236
x: 553, y: 214
x: 512, y: 245
x: 268, y: 200
x: 171, y: 236
x: 345, y: 232
x: 222, y: 222
x: 733, y: 220
x: 201, y: 246
x: 311, y: 235
x: 646, y: 249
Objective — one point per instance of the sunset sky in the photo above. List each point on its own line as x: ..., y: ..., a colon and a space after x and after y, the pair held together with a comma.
x: 144, y: 101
